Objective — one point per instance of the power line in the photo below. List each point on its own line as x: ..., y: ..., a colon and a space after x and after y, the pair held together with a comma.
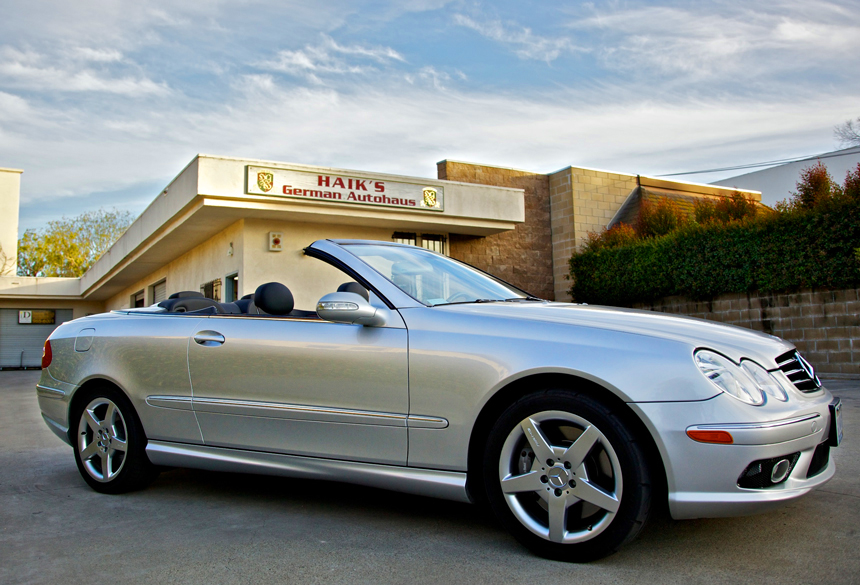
x: 761, y: 164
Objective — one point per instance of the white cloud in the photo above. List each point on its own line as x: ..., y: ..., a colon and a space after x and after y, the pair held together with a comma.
x: 98, y: 55
x: 37, y: 72
x: 746, y: 40
x: 325, y: 58
x: 527, y: 45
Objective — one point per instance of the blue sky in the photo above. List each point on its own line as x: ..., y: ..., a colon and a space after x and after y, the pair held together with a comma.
x: 103, y: 102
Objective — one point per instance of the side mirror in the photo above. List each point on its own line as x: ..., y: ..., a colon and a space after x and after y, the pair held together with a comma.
x: 346, y: 307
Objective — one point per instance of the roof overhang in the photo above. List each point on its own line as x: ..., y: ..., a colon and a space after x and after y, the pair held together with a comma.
x: 210, y: 194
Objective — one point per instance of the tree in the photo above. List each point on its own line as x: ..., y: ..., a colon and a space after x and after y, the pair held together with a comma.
x: 5, y: 263
x: 69, y: 246
x: 848, y: 133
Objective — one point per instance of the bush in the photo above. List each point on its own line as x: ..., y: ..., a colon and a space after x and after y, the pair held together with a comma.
x: 736, y: 207
x: 802, y: 247
x: 659, y: 219
x: 619, y: 235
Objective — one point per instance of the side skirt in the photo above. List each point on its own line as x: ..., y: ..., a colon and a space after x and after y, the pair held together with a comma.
x: 447, y: 485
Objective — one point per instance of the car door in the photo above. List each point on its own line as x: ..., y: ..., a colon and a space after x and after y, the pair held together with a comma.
x: 302, y: 386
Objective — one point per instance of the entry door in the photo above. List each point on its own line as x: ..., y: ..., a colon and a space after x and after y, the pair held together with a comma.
x: 303, y: 387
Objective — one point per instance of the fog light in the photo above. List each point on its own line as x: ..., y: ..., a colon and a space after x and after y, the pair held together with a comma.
x: 780, y: 471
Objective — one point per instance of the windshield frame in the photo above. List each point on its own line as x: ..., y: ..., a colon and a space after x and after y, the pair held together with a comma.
x: 348, y: 245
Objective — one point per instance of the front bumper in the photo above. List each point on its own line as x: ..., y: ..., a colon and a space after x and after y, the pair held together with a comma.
x: 703, y: 477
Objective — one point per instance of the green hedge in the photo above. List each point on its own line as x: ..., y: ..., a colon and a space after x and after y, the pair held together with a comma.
x: 777, y: 253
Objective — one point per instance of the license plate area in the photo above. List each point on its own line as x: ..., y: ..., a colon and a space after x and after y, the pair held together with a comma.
x: 835, y: 423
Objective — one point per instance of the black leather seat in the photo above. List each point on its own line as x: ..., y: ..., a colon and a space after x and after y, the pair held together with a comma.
x: 273, y: 298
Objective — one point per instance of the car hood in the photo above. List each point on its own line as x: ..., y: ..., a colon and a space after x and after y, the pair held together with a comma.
x: 735, y: 342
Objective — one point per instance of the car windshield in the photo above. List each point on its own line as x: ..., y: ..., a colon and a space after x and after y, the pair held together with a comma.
x: 434, y: 279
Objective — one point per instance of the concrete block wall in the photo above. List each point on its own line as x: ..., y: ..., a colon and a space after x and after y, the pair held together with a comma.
x: 522, y: 256
x: 823, y: 324
x: 582, y: 200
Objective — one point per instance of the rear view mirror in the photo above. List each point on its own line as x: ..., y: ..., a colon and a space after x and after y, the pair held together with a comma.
x: 346, y: 307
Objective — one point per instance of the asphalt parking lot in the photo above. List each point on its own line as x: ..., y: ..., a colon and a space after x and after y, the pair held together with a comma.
x: 200, y: 527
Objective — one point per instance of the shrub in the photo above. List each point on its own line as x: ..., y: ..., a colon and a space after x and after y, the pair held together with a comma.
x: 619, y: 235
x: 736, y: 207
x: 851, y: 187
x: 659, y: 219
x: 777, y: 252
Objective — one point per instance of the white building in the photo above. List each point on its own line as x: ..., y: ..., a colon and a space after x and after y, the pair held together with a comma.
x: 778, y: 183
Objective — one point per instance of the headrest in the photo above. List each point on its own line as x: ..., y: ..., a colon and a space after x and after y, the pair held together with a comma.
x: 274, y: 298
x: 186, y: 294
x: 354, y: 287
x: 247, y: 296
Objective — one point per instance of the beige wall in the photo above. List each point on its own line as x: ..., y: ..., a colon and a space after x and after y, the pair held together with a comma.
x: 206, y: 262
x: 582, y: 200
x: 307, y: 278
x: 10, y: 193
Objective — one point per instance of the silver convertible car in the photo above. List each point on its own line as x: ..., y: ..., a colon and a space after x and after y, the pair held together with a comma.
x: 424, y: 375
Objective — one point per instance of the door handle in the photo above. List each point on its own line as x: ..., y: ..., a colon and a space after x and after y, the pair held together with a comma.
x: 209, y: 338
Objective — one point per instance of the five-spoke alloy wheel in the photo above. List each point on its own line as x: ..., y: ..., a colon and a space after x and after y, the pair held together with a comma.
x: 566, y: 476
x: 110, y: 445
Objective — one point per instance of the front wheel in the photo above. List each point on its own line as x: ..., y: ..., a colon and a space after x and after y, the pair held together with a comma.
x: 110, y: 443
x: 566, y: 476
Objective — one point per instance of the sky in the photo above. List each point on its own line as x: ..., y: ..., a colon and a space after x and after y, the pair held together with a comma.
x: 103, y: 102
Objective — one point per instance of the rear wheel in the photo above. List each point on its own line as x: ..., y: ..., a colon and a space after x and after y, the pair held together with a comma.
x: 109, y: 443
x: 566, y: 477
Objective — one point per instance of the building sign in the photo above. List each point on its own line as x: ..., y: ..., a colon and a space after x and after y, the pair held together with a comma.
x: 344, y: 189
x: 37, y: 317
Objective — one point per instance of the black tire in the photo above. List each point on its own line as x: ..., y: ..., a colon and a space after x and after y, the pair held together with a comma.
x: 107, y: 436
x: 541, y: 504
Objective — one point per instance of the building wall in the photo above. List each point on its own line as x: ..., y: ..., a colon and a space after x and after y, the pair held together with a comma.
x: 824, y: 325
x: 206, y: 262
x: 307, y: 278
x: 777, y: 183
x: 79, y: 308
x: 10, y: 189
x: 582, y: 201
x: 522, y: 256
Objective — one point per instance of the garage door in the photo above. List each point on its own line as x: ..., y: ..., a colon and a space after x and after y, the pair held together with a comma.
x: 21, y: 343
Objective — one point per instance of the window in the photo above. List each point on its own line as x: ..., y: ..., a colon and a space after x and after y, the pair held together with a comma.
x: 405, y: 238
x: 434, y: 242
x: 159, y: 291
x: 138, y: 299
x: 212, y: 289
x: 231, y: 288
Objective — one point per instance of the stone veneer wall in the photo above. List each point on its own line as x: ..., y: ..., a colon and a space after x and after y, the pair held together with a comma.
x: 823, y: 324
x: 582, y: 201
x: 522, y: 256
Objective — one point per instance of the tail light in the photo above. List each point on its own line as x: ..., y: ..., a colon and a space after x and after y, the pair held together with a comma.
x: 47, y: 355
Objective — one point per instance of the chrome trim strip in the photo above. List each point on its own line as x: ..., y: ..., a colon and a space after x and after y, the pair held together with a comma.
x: 414, y: 421
x: 449, y: 485
x: 766, y: 433
x: 174, y: 402
x: 298, y: 412
x: 49, y: 392
x: 763, y: 425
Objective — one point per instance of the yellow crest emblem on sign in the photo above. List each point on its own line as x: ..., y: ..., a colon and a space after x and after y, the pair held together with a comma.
x: 265, y: 181
x: 430, y: 197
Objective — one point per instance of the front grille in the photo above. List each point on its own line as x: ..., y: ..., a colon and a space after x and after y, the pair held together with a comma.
x: 799, y: 371
x: 757, y: 474
x: 820, y: 459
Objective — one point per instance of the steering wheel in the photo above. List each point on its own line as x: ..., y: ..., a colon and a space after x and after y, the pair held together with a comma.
x: 459, y: 297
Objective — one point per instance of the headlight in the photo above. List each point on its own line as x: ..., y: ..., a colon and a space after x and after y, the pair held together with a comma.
x: 728, y: 377
x: 764, y: 380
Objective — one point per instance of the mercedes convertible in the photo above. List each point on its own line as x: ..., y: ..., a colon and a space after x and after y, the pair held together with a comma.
x: 424, y: 375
